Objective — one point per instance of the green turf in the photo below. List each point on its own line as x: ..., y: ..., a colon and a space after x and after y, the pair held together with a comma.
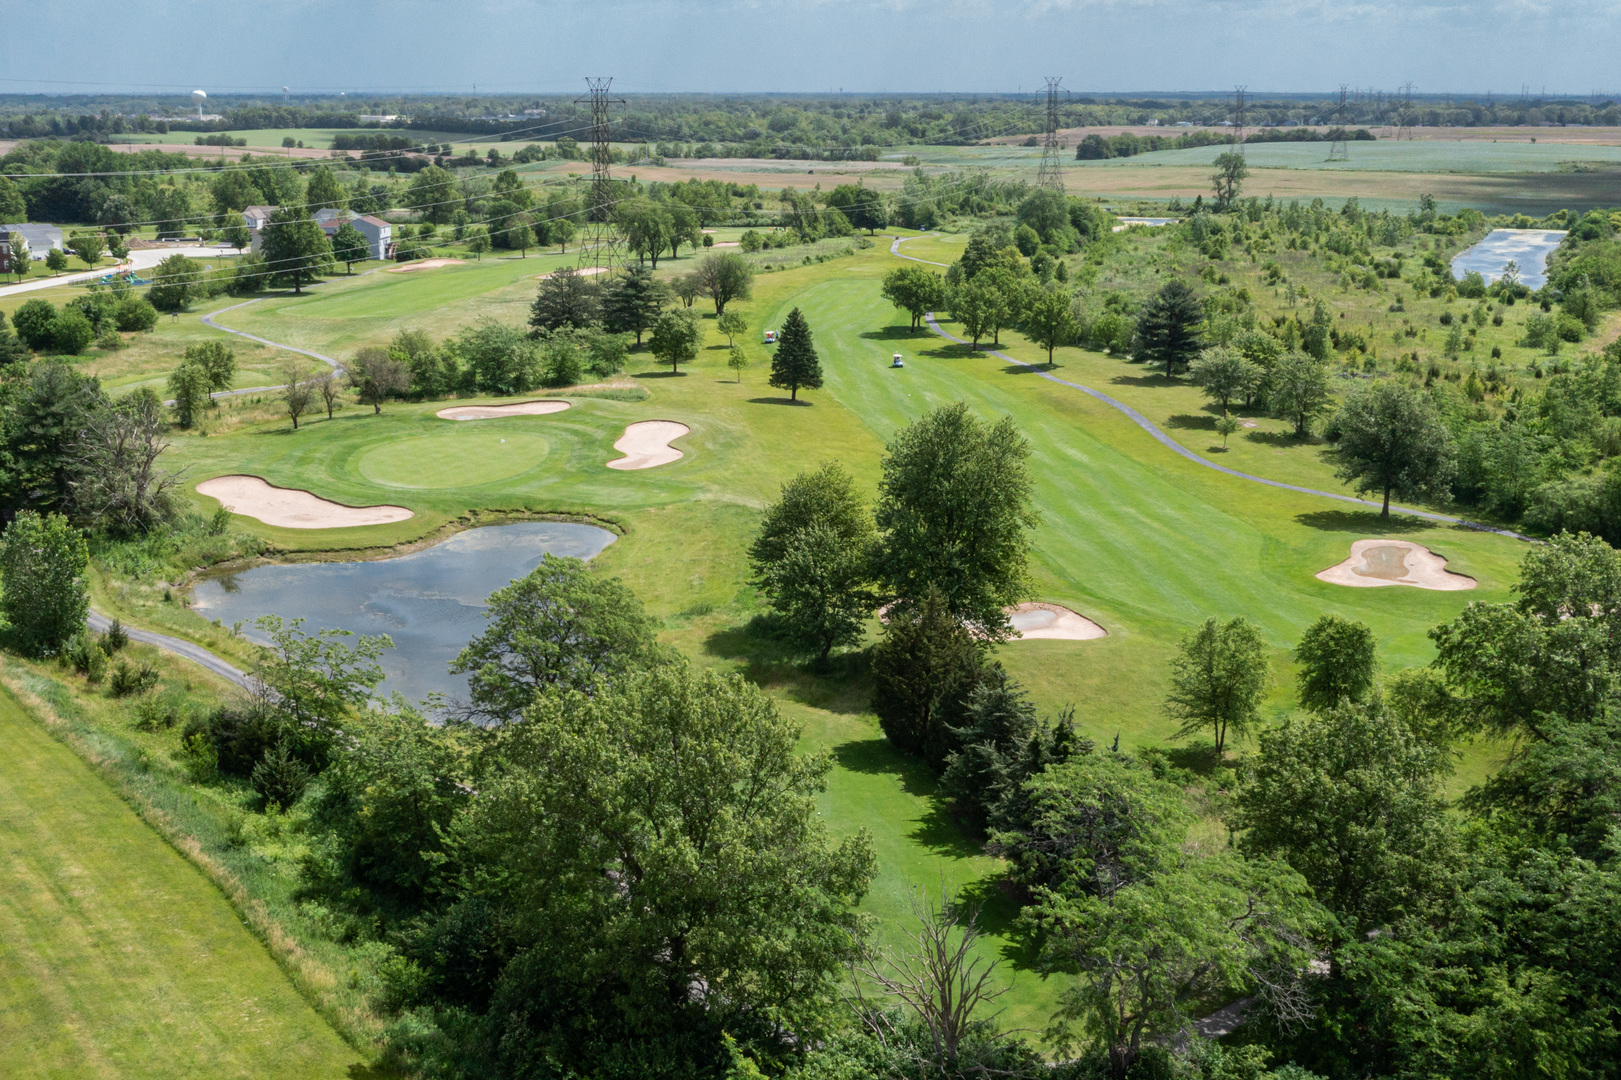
x: 118, y: 959
x: 1144, y: 542
x: 455, y: 459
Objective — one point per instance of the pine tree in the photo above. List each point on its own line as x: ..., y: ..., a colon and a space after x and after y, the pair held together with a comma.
x: 795, y: 364
x: 632, y: 302
x: 1168, y: 328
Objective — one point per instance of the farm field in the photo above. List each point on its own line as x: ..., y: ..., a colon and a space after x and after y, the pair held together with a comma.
x: 1143, y: 542
x: 118, y: 959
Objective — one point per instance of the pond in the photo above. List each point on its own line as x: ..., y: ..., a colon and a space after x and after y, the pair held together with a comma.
x: 1529, y: 248
x: 431, y: 602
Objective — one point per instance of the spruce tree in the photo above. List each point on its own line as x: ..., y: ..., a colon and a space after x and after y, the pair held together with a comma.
x: 795, y: 364
x: 632, y: 302
x: 1168, y: 327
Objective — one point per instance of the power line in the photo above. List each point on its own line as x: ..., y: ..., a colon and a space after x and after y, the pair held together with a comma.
x: 600, y: 206
x: 1339, y: 149
x: 1050, y: 174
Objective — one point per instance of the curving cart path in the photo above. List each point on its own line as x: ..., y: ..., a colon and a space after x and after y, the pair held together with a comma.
x: 195, y: 653
x: 208, y: 320
x: 1160, y: 436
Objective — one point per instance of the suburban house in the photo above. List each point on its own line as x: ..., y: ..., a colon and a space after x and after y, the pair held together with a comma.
x: 41, y: 238
x: 379, y: 234
x: 255, y: 218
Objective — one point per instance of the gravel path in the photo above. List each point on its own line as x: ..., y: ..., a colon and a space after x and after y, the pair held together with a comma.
x: 1160, y: 436
x: 195, y: 653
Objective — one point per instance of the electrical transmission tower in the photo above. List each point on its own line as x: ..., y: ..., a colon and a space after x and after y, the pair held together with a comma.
x: 1404, y: 113
x: 1238, y: 118
x: 1339, y: 149
x: 1051, y: 174
x: 600, y: 247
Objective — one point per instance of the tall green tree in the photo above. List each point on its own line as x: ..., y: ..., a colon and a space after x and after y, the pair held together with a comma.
x: 88, y: 246
x: 725, y: 899
x: 217, y: 359
x: 322, y: 190
x: 632, y: 302
x: 432, y: 194
x: 1393, y: 442
x: 646, y: 227
x: 565, y: 298
x: 733, y: 324
x: 1299, y: 390
x: 43, y: 592
x: 1223, y: 374
x: 674, y: 340
x: 42, y: 423
x: 810, y: 558
x: 377, y: 375
x: 1050, y: 321
x: 188, y: 389
x: 1218, y: 680
x: 914, y: 290
x: 1337, y: 663
x: 559, y: 626
x: 295, y: 249
x: 1168, y: 327
x: 174, y: 281
x: 121, y: 486
x: 349, y: 246
x: 724, y: 278
x: 1228, y: 179
x: 923, y: 669
x: 1352, y: 799
x: 954, y: 510
x: 794, y: 364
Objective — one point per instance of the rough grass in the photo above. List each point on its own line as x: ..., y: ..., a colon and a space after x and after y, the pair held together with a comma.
x: 118, y: 958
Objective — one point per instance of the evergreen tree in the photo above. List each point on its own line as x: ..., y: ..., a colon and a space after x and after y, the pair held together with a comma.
x: 924, y: 668
x: 794, y: 365
x: 631, y: 303
x: 1168, y: 328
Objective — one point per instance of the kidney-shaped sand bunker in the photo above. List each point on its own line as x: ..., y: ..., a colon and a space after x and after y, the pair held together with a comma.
x: 292, y: 508
x: 1377, y: 563
x: 647, y: 444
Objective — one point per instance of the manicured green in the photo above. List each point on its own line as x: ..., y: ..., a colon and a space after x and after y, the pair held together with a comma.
x: 118, y: 959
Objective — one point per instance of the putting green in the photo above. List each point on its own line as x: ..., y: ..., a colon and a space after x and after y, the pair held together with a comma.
x: 458, y: 458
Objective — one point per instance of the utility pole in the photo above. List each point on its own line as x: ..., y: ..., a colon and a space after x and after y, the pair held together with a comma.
x: 1050, y: 175
x: 601, y: 244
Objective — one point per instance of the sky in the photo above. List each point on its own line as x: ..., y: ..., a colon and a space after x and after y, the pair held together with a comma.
x: 652, y: 46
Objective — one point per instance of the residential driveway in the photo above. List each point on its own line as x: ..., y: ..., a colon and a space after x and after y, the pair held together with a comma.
x: 144, y: 259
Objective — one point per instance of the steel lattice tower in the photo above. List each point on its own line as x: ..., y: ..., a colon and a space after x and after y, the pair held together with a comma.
x: 1404, y: 126
x: 1051, y: 174
x: 601, y: 247
x: 1339, y: 149
x: 1238, y: 118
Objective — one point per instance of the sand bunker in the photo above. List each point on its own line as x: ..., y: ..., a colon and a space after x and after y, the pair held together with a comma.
x: 1375, y: 563
x: 426, y: 264
x: 495, y: 412
x: 291, y: 508
x: 580, y: 271
x: 1032, y: 622
x: 647, y: 444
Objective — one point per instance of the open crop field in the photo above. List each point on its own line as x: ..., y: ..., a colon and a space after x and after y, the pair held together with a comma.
x: 1144, y: 542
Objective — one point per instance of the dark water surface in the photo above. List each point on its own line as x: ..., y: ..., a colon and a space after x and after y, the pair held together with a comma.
x: 431, y: 602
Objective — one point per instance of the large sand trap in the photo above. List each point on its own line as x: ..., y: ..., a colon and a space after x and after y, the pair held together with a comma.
x: 647, y: 444
x: 1032, y: 622
x: 291, y: 508
x: 495, y: 412
x: 426, y: 264
x: 581, y: 271
x: 1376, y: 563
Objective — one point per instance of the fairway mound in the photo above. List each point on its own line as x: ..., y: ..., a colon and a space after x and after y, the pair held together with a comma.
x: 647, y: 443
x: 1376, y: 563
x: 293, y: 508
x: 495, y: 412
x: 1052, y: 622
x: 580, y: 271
x: 426, y: 264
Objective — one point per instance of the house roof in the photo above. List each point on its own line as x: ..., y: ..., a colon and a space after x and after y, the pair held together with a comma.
x: 39, y: 236
x: 375, y: 221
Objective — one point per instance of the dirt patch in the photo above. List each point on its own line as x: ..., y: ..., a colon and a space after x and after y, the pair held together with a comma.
x: 426, y: 264
x: 726, y: 243
x: 495, y: 412
x: 581, y: 271
x: 293, y: 508
x: 647, y: 444
x: 1053, y: 622
x: 1376, y: 563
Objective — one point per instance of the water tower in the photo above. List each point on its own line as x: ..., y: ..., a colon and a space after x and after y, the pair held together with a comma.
x: 284, y: 95
x: 199, y: 97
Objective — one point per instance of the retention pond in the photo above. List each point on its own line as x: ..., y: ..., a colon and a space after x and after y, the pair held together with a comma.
x: 1527, y: 248
x: 431, y: 602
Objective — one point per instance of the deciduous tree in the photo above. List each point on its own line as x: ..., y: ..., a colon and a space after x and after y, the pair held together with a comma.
x: 724, y: 278
x: 1223, y: 374
x: 1393, y: 442
x: 1299, y: 389
x: 1218, y: 680
x: 674, y: 340
x: 294, y: 247
x: 914, y: 290
x: 350, y: 246
x: 377, y: 375
x: 42, y: 568
x: 1337, y: 663
x: 1050, y: 321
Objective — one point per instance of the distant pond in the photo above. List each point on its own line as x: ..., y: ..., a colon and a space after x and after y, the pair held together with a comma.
x: 1529, y: 248
x: 431, y: 602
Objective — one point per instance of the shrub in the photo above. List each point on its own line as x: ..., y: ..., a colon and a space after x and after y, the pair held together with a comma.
x: 130, y: 679
x: 134, y: 313
x: 109, y: 340
x: 279, y: 777
x: 157, y: 712
x: 71, y: 332
x: 33, y: 321
x: 84, y: 657
x: 115, y: 638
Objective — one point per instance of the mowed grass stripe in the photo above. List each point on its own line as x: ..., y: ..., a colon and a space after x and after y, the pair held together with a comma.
x: 119, y: 959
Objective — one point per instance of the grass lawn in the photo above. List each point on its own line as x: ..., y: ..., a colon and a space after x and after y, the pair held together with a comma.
x: 118, y: 959
x: 1143, y: 542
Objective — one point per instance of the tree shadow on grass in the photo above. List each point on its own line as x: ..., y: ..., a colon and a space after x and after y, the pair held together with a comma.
x: 1283, y: 439
x: 952, y: 351
x: 998, y: 901
x: 778, y: 401
x: 894, y: 333
x: 1027, y: 369
x: 842, y: 685
x: 875, y: 757
x: 1362, y: 522
x: 659, y: 375
x: 1188, y: 421
x: 1152, y: 379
